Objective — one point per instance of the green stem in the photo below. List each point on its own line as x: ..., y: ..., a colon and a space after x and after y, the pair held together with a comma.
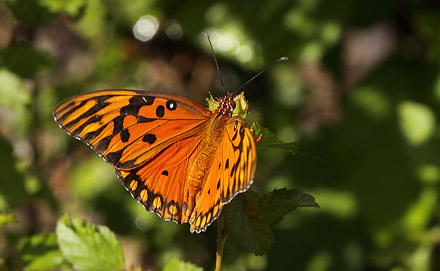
x: 222, y: 234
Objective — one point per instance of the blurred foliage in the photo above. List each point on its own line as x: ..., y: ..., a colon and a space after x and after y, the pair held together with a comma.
x: 361, y: 93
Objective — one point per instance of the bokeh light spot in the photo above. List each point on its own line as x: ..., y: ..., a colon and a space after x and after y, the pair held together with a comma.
x: 145, y: 28
x: 174, y: 31
x: 244, y: 53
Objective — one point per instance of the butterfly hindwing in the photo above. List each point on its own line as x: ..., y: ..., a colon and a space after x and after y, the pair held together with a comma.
x: 232, y: 172
x: 128, y: 128
x: 160, y: 185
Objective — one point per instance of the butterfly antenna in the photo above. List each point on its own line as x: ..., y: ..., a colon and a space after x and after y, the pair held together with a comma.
x: 215, y: 60
x: 284, y: 58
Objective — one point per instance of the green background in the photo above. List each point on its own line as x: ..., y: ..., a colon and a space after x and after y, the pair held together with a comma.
x: 361, y: 93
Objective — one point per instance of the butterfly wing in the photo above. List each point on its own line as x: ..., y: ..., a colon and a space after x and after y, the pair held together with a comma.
x: 128, y: 128
x: 231, y: 173
x: 160, y: 185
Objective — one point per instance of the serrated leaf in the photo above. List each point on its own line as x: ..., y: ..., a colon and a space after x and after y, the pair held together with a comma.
x: 242, y: 219
x: 178, y: 265
x: 270, y: 140
x: 88, y: 246
x: 249, y: 216
x: 40, y: 252
x: 274, y: 205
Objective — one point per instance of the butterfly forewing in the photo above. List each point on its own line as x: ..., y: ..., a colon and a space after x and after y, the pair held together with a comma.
x: 128, y: 128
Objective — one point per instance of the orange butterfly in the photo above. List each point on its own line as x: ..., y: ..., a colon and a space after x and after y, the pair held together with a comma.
x: 179, y: 159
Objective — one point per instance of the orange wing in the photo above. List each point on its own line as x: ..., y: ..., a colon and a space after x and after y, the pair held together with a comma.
x: 161, y: 184
x: 231, y: 173
x: 128, y: 128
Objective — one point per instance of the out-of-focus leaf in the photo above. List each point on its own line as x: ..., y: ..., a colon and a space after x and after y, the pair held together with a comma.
x: 89, y: 247
x: 40, y: 252
x: 30, y: 12
x: 417, y: 122
x: 12, y: 91
x: 94, y: 14
x: 16, y: 98
x: 270, y: 140
x: 12, y: 188
x: 36, y: 60
x: 249, y: 217
x: 71, y: 7
x: 178, y: 265
x: 7, y: 218
x: 91, y: 177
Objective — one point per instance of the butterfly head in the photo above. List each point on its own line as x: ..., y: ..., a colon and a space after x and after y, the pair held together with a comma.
x: 229, y: 105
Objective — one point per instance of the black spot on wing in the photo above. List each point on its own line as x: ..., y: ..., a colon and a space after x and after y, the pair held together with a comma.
x: 160, y: 111
x: 165, y: 172
x: 135, y: 103
x: 171, y: 105
x: 125, y: 135
x: 118, y: 124
x: 150, y: 138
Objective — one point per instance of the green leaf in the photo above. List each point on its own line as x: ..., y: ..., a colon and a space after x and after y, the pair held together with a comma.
x: 71, y: 7
x: 12, y: 91
x: 178, y: 265
x: 16, y: 99
x: 7, y: 218
x: 30, y: 12
x: 242, y: 219
x: 36, y: 60
x: 40, y: 252
x: 12, y: 188
x: 270, y: 140
x: 248, y: 218
x: 89, y: 247
x: 274, y: 205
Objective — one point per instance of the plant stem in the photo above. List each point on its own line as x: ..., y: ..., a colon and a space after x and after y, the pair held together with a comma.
x: 222, y: 234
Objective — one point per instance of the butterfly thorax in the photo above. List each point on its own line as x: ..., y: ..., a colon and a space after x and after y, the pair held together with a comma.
x: 206, y: 151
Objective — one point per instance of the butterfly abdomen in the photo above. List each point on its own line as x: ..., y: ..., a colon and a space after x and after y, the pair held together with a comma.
x: 208, y: 148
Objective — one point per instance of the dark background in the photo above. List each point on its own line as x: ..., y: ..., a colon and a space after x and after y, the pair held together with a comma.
x: 361, y: 93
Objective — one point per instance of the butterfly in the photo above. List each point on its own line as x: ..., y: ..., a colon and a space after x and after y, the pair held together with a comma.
x: 176, y: 157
